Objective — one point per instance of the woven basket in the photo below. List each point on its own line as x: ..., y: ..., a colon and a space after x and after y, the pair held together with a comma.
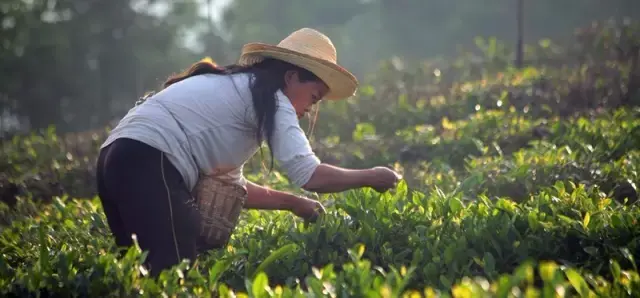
x: 220, y: 204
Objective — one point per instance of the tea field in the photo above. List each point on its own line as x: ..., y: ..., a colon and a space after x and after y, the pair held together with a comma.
x: 518, y: 183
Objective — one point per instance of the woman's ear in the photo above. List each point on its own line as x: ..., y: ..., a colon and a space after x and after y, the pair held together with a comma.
x: 290, y: 77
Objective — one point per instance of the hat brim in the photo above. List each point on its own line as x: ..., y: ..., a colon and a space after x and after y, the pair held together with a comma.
x: 342, y: 83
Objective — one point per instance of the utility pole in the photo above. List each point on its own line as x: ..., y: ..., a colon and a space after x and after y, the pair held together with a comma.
x: 520, y: 34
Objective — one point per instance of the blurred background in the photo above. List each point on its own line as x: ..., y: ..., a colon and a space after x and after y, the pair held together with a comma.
x: 517, y: 123
x: 80, y: 64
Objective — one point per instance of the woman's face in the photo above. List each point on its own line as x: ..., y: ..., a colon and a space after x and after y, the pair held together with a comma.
x: 303, y: 95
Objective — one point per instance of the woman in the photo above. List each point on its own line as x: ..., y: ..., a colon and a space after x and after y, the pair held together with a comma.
x: 211, y: 120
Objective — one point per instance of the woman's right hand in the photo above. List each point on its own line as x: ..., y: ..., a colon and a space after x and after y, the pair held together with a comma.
x: 384, y: 179
x: 308, y: 209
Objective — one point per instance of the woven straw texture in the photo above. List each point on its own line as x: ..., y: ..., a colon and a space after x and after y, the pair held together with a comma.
x: 220, y: 204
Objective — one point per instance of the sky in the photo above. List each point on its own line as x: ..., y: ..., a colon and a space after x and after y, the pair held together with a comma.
x: 216, y: 9
x: 217, y: 5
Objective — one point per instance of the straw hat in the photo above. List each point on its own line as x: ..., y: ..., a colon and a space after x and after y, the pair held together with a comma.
x: 311, y: 50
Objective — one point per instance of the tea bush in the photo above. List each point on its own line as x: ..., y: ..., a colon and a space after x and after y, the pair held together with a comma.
x: 517, y: 183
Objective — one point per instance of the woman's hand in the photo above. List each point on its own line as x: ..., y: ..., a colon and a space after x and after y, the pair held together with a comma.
x: 384, y: 179
x: 308, y: 209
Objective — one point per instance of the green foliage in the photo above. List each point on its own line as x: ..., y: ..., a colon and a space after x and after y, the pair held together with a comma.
x: 518, y: 183
x: 421, y: 240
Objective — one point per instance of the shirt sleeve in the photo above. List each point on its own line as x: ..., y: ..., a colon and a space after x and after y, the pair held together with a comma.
x: 291, y: 147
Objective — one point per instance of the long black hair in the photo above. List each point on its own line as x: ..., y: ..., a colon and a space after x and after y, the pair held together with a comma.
x: 267, y: 77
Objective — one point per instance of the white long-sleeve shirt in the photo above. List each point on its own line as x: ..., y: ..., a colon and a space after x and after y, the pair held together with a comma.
x: 217, y: 115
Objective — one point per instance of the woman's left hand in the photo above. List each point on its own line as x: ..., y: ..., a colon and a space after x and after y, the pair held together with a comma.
x: 308, y: 209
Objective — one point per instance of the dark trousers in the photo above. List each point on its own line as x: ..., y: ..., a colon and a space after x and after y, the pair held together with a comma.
x: 142, y: 193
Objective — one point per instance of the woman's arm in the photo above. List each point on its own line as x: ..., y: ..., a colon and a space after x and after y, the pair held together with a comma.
x: 328, y: 179
x: 260, y: 197
x: 292, y: 150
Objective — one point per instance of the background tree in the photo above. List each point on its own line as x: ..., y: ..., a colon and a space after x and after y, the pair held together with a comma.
x: 78, y: 64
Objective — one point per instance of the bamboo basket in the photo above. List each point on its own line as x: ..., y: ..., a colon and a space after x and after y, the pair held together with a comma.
x: 220, y: 204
